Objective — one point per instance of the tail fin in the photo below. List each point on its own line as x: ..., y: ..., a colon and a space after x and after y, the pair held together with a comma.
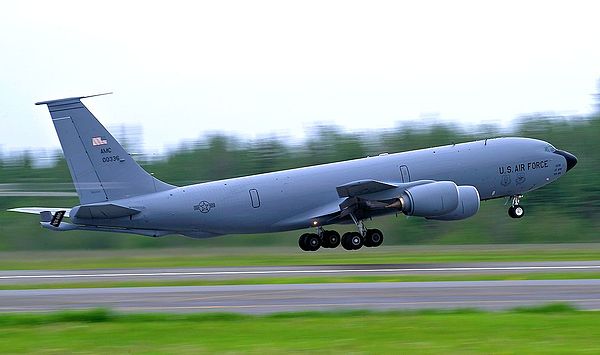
x: 101, y: 169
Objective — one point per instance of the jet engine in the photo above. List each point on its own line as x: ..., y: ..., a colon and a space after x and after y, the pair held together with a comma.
x: 441, y: 200
x: 430, y: 200
x: 468, y: 205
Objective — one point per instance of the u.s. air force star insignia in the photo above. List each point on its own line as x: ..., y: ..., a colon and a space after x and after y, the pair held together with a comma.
x: 204, y: 206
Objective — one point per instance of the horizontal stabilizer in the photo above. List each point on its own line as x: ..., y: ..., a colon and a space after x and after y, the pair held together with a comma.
x: 363, y: 187
x: 38, y: 210
x: 69, y: 99
x: 102, y: 211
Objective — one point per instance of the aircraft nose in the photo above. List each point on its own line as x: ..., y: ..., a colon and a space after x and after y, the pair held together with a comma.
x: 571, y: 159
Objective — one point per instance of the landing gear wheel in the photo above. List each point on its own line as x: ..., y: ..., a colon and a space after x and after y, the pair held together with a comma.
x: 331, y: 239
x: 516, y: 211
x: 374, y: 238
x: 352, y: 241
x: 313, y: 242
x: 309, y: 242
x: 302, y: 242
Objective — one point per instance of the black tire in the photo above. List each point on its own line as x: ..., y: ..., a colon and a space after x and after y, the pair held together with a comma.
x: 313, y: 242
x: 302, y: 242
x: 331, y: 239
x: 367, y: 240
x: 511, y: 212
x: 374, y: 238
x: 352, y: 241
x: 346, y: 241
x: 324, y: 241
x: 516, y: 211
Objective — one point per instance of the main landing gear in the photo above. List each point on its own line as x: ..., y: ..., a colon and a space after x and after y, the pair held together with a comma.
x: 350, y: 241
x: 516, y: 210
x: 354, y: 240
x: 323, y: 238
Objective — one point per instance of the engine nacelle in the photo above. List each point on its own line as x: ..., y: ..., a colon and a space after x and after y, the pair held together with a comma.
x: 468, y: 205
x: 430, y: 200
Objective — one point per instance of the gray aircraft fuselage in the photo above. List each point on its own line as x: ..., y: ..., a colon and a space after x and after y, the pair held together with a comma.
x: 296, y: 198
x: 442, y: 183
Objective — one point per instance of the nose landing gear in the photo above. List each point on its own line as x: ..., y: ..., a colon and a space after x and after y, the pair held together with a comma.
x: 516, y: 210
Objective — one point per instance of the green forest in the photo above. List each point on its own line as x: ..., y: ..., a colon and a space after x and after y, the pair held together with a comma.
x: 565, y: 211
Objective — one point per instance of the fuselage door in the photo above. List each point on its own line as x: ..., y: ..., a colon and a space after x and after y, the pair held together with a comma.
x: 404, y: 173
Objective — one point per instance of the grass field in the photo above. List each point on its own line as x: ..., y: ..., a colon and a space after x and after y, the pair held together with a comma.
x: 271, y: 256
x: 551, y: 329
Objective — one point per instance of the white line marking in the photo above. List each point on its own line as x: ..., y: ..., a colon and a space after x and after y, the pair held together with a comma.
x: 279, y: 272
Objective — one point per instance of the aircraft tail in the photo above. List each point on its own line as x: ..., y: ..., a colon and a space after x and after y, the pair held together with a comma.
x: 101, y: 169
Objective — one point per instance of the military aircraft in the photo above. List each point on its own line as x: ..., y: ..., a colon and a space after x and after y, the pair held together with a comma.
x: 442, y: 183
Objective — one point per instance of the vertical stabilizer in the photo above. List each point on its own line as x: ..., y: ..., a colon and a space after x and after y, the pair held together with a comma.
x: 101, y: 169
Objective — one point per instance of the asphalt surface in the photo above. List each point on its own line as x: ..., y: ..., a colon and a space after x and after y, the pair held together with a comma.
x: 492, y: 295
x: 164, y: 274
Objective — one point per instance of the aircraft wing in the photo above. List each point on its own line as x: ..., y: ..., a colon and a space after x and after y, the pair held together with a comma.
x: 361, y: 198
x: 38, y: 210
x: 363, y: 187
x: 355, y: 195
x: 364, y: 198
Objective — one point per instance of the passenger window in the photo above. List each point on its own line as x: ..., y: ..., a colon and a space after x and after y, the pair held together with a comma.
x: 254, y: 198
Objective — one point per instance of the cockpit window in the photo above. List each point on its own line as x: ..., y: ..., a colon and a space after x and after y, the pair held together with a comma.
x: 550, y: 148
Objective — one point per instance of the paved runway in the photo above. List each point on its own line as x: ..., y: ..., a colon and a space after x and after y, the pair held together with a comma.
x: 279, y: 298
x: 297, y: 297
x: 48, y: 276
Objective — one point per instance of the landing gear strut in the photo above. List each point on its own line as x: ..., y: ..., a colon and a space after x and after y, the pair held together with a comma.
x: 516, y: 210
